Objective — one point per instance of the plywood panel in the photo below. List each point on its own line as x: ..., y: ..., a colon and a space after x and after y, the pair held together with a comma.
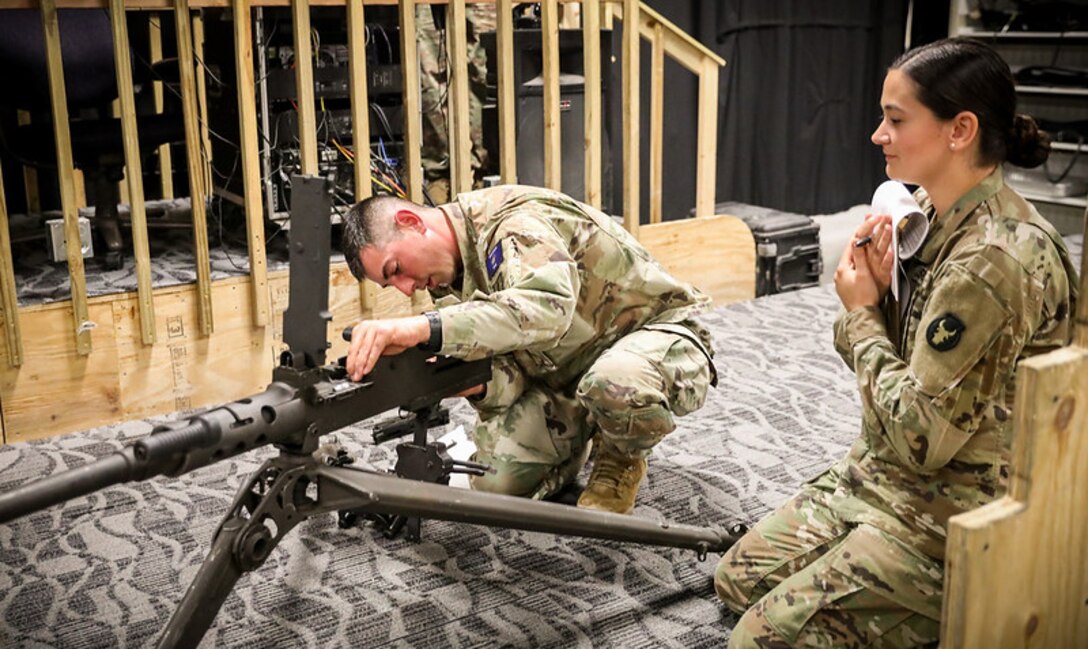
x: 57, y: 389
x: 187, y: 369
x: 1015, y: 569
x: 716, y: 254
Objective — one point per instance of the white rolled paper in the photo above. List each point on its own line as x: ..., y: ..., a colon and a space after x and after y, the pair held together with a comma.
x: 909, y: 224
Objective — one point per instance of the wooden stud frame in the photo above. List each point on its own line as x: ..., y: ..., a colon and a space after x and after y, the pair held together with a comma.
x: 304, y: 82
x: 657, y: 120
x: 553, y: 142
x: 706, y: 162
x: 30, y: 175
x: 508, y: 159
x: 413, y: 127
x: 82, y: 324
x: 360, y: 101
x: 194, y: 144
x: 134, y: 175
x: 166, y: 164
x: 630, y: 115
x: 591, y: 45
x: 460, y: 141
x: 360, y: 118
x: 251, y: 168
x: 9, y: 303
x: 202, y: 100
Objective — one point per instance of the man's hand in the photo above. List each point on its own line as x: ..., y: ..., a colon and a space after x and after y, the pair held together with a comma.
x: 371, y: 339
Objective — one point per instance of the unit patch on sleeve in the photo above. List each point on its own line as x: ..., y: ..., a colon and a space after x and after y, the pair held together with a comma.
x: 494, y: 260
x: 944, y: 332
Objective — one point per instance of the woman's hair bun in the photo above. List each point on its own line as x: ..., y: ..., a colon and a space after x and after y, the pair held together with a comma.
x: 1027, y: 146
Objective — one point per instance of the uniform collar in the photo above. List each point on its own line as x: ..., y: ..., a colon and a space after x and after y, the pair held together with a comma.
x: 941, y: 229
x: 465, y: 232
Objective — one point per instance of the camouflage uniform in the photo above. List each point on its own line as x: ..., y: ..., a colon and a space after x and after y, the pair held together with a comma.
x: 434, y: 88
x: 856, y: 558
x: 586, y: 330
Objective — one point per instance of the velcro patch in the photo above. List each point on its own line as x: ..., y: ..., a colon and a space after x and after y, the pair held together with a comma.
x: 494, y: 260
x: 944, y: 332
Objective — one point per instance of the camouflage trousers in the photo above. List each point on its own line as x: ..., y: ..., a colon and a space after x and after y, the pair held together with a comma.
x: 434, y: 87
x: 537, y: 438
x: 802, y: 577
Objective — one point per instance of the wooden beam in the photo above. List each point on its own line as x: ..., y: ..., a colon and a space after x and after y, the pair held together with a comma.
x: 504, y: 28
x: 1016, y: 575
x: 251, y: 167
x: 553, y: 143
x: 608, y: 14
x: 166, y: 165
x: 134, y: 174
x: 9, y: 302
x: 460, y: 141
x: 202, y: 99
x: 630, y: 116
x: 115, y: 110
x: 194, y: 143
x: 679, y: 45
x: 360, y: 120
x: 591, y: 45
x: 199, y: 4
x: 413, y: 125
x: 360, y: 102
x: 30, y: 175
x: 304, y: 87
x: 706, y: 170
x: 657, y: 121
x: 1080, y: 335
x: 58, y: 97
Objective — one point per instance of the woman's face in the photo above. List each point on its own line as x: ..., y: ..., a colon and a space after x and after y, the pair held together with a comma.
x: 915, y: 143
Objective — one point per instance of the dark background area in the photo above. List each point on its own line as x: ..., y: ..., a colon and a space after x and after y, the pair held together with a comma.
x: 799, y: 98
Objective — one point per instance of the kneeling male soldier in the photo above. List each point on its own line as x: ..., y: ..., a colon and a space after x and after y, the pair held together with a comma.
x: 589, y: 336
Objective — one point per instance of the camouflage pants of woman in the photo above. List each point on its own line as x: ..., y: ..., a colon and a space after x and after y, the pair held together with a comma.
x: 804, y: 578
x: 537, y: 437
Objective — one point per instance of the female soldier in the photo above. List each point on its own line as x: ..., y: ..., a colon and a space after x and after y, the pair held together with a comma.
x: 856, y: 558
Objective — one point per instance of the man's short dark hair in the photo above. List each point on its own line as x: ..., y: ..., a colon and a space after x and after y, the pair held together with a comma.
x: 369, y: 223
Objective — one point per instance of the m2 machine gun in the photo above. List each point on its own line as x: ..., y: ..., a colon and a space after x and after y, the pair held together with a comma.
x: 306, y: 400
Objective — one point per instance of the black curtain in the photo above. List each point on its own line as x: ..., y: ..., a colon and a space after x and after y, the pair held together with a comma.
x: 799, y: 97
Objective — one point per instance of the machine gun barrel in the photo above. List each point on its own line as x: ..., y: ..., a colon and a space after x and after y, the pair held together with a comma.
x: 66, y: 485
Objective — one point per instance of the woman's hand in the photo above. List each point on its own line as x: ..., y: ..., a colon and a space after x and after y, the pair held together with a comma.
x: 879, y: 251
x: 855, y: 282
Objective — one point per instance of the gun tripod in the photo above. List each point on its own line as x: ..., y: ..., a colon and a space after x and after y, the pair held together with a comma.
x: 294, y: 486
x: 416, y: 460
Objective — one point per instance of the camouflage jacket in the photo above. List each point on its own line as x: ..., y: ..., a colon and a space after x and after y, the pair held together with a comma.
x: 992, y: 285
x: 554, y: 283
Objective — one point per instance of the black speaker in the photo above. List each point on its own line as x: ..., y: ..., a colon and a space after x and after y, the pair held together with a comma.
x: 529, y: 115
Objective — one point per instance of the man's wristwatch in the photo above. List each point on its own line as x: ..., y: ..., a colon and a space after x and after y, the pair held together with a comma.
x: 434, y: 343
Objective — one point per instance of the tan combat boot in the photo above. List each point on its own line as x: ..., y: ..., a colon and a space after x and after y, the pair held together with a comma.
x: 614, y: 482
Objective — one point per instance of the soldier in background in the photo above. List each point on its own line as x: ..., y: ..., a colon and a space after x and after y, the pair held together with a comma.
x: 856, y: 558
x: 434, y: 92
x: 590, y: 338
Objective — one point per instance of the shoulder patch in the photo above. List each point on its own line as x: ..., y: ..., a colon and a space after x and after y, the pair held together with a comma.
x: 494, y: 260
x: 945, y: 332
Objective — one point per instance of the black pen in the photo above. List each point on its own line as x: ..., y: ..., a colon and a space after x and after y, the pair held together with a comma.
x: 864, y: 241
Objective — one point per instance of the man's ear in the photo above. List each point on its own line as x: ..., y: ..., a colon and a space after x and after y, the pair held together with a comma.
x: 409, y: 219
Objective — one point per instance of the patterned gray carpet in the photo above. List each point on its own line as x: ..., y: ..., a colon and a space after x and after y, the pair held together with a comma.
x: 108, y: 570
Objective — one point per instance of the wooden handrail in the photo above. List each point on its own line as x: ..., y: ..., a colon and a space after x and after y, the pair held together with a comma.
x: 666, y: 39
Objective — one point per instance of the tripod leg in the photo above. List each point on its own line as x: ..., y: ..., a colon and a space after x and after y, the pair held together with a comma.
x: 209, y: 589
x: 273, y: 501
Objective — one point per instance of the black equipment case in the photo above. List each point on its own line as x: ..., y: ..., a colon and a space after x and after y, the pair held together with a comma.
x: 787, y: 247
